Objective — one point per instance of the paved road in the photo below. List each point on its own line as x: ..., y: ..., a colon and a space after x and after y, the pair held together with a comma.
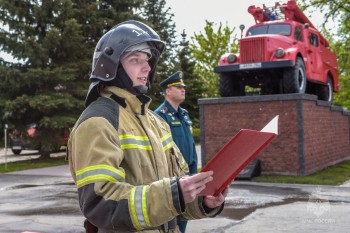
x: 45, y: 200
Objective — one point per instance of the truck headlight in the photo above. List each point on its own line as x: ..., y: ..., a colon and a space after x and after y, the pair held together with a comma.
x: 231, y: 58
x: 279, y: 53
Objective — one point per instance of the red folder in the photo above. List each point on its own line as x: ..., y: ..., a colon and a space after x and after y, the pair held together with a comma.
x: 236, y: 154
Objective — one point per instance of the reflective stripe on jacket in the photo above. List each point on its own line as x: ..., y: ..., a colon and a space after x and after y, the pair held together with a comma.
x: 125, y: 163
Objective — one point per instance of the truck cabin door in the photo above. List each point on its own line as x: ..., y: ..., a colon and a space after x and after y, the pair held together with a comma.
x: 314, y: 56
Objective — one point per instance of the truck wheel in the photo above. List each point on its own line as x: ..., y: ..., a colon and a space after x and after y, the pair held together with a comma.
x: 325, y: 92
x: 294, y: 80
x: 16, y: 152
x: 229, y: 86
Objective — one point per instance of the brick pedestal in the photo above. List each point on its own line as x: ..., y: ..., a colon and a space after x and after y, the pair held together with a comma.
x: 312, y: 134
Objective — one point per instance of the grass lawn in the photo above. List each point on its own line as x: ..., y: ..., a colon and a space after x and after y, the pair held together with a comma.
x: 334, y: 175
x: 34, y: 163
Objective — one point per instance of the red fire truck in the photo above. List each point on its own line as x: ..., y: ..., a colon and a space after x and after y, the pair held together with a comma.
x: 282, y: 53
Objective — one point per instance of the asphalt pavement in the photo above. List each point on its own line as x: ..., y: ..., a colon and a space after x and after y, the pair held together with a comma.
x: 44, y: 200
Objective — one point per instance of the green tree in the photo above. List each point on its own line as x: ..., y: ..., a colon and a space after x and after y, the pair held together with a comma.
x: 338, y: 12
x: 207, y: 49
x: 194, y: 87
x: 53, y: 40
x: 342, y: 50
x: 160, y: 18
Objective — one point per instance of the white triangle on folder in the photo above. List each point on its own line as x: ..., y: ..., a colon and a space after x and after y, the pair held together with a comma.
x: 272, y: 126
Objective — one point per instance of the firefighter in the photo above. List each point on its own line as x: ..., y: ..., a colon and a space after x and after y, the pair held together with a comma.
x: 128, y: 170
x: 173, y: 90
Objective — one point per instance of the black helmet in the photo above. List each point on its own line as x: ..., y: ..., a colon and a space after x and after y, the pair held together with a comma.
x: 113, y: 45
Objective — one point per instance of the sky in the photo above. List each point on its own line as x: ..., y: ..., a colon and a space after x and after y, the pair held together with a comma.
x: 190, y: 15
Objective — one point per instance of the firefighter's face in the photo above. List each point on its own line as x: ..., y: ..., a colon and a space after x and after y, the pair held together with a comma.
x: 137, y: 67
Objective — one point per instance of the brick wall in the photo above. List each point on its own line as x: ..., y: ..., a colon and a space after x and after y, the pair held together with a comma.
x: 312, y: 134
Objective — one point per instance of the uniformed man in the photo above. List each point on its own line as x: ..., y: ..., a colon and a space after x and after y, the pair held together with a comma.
x: 122, y: 156
x: 173, y: 90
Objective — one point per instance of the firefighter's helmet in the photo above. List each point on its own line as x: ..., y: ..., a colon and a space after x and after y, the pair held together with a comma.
x: 117, y: 41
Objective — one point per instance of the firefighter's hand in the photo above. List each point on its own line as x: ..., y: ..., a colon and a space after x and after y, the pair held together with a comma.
x: 213, y: 202
x: 192, y: 185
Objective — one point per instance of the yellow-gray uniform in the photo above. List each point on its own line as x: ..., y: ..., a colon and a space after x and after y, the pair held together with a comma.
x: 126, y: 165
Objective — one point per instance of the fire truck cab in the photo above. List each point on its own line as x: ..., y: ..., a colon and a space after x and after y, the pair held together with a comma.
x: 282, y: 53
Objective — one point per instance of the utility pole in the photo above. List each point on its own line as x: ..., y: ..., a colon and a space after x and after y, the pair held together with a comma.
x: 5, y: 137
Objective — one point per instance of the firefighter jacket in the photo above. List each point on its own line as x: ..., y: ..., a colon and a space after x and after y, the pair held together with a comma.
x: 181, y: 130
x: 126, y: 167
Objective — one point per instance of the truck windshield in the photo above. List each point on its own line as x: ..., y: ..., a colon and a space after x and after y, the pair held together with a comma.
x: 279, y: 29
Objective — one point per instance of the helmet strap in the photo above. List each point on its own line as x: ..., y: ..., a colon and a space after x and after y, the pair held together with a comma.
x: 123, y: 81
x: 142, y: 89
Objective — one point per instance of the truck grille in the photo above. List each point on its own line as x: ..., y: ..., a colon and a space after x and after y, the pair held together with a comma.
x: 252, y: 50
